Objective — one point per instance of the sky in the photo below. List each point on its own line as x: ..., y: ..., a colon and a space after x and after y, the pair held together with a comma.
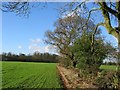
x: 26, y: 35
x: 0, y: 30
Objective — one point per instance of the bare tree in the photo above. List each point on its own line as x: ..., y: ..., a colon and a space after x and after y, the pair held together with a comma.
x: 67, y: 29
x: 21, y: 8
x: 16, y: 7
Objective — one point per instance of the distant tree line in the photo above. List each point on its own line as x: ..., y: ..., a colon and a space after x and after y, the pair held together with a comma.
x: 36, y: 57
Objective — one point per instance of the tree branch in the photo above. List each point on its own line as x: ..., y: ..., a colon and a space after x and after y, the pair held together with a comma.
x: 93, y: 35
x: 108, y: 9
x: 107, y: 23
x: 89, y: 14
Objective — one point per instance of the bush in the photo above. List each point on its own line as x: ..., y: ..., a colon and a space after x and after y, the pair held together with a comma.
x: 87, y: 60
x: 65, y: 61
x: 107, y: 79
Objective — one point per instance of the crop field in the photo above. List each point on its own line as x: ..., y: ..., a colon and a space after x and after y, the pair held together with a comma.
x: 29, y: 75
x: 108, y: 67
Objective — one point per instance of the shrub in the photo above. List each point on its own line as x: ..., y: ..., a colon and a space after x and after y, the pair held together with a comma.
x: 89, y: 61
x: 65, y: 61
x: 107, y: 80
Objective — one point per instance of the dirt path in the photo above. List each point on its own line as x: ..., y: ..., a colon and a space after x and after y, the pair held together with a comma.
x: 71, y: 80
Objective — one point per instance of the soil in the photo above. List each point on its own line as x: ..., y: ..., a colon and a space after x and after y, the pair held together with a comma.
x: 71, y: 79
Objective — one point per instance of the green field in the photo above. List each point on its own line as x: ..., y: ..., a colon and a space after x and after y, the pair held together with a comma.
x: 108, y: 67
x: 29, y: 75
x: 33, y: 75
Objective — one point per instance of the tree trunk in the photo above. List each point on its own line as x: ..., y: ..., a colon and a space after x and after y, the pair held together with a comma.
x: 118, y: 62
x: 118, y: 32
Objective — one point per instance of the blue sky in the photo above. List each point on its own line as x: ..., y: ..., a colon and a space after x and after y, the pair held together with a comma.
x: 20, y: 34
x: 25, y: 35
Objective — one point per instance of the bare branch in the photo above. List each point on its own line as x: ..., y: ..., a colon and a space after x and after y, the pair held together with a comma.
x: 93, y: 35
x: 108, y: 9
x: 89, y: 14
x: 107, y: 23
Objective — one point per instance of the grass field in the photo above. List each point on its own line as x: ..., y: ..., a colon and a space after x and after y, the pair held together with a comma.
x: 29, y: 75
x: 108, y: 67
x: 33, y: 75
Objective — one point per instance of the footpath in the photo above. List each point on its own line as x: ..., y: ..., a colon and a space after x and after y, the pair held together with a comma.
x: 71, y: 79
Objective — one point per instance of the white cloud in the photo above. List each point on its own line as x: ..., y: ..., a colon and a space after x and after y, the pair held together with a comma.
x: 29, y: 47
x: 20, y: 47
x: 38, y: 40
x: 47, y: 48
x: 50, y: 49
x: 37, y: 45
x: 34, y: 45
x: 34, y: 48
